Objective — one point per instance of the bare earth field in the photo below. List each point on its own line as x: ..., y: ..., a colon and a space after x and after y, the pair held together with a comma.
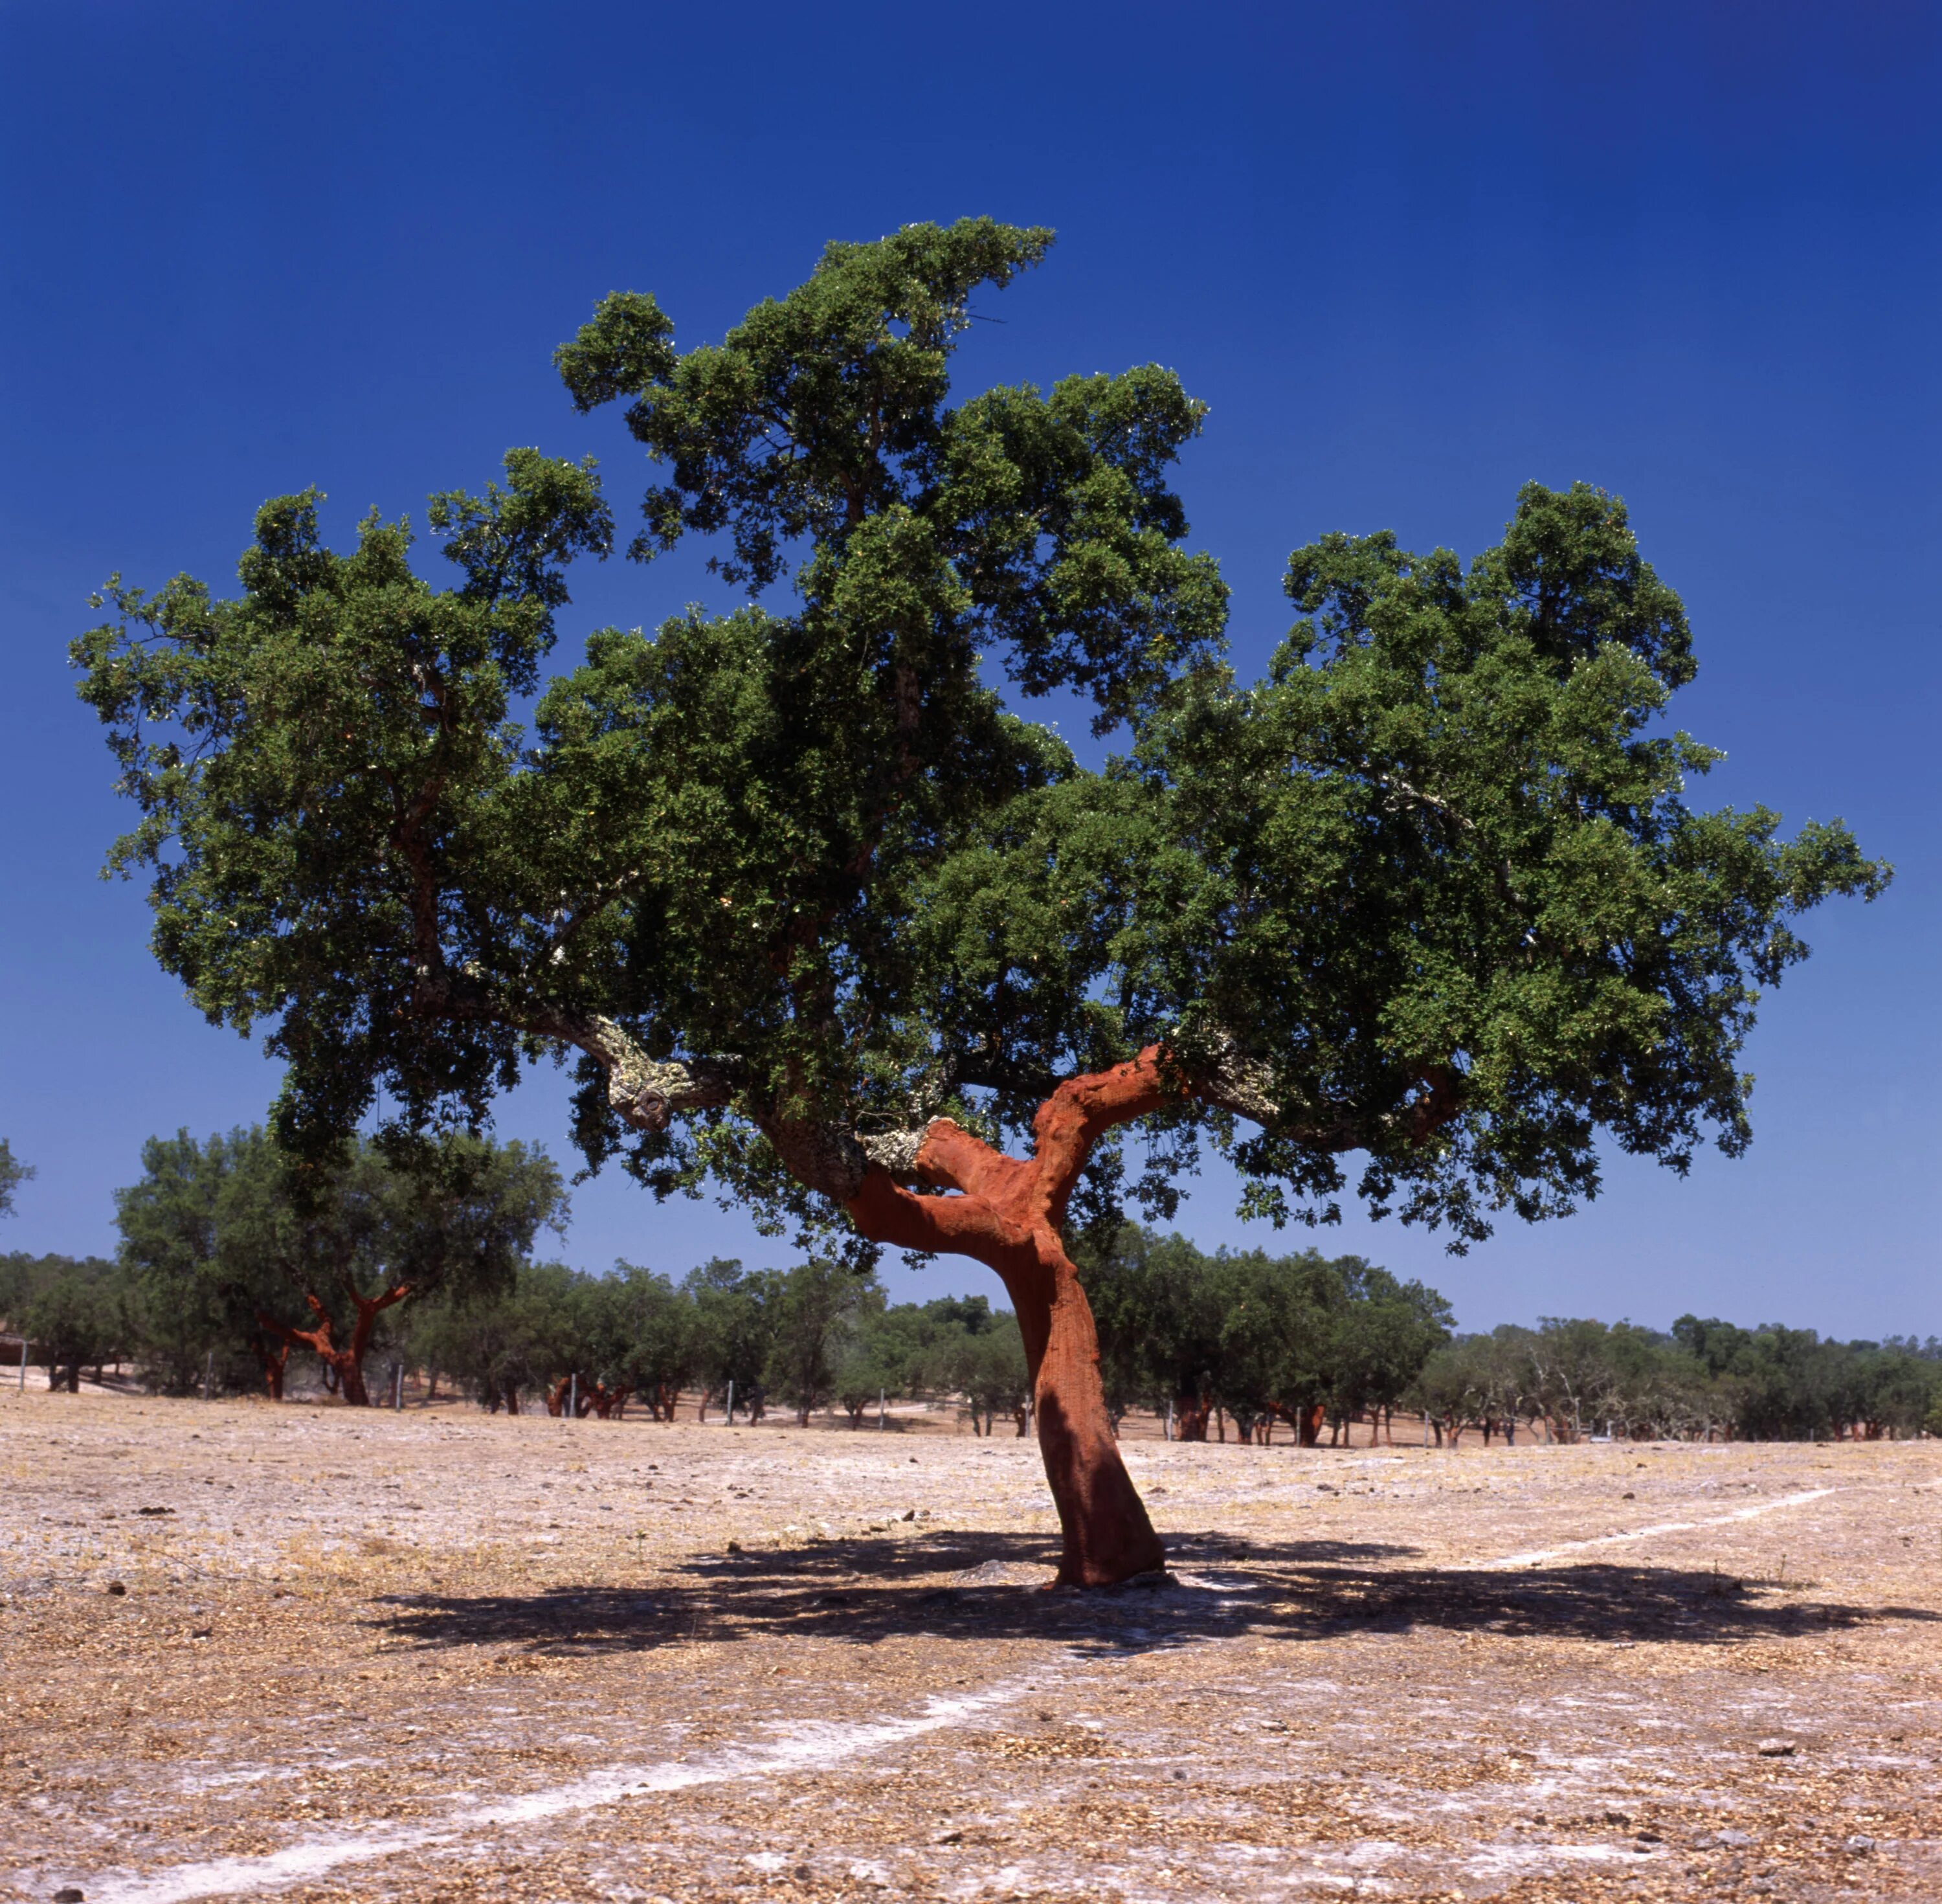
x: 440, y: 1656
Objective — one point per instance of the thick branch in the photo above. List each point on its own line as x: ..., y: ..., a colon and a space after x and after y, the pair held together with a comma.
x: 941, y: 1154
x: 316, y: 1340
x: 368, y: 1309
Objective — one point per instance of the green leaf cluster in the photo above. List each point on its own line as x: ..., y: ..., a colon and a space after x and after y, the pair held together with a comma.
x: 1434, y: 876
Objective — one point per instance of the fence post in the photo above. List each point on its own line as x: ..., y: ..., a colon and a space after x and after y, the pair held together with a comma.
x: 728, y: 1413
x: 208, y: 1375
x: 573, y: 1397
x: 24, y: 1361
x: 883, y: 1408
x: 397, y: 1388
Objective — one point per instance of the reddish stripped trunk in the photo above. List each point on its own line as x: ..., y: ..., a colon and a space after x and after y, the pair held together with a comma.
x: 1007, y: 1216
x: 1305, y: 1419
x: 271, y: 1358
x: 345, y: 1362
x: 1006, y: 1213
x: 1191, y: 1414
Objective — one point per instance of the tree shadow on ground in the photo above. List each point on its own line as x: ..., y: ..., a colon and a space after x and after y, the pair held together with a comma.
x: 956, y: 1587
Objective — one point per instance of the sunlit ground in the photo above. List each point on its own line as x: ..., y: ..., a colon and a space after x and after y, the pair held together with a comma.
x: 438, y: 1655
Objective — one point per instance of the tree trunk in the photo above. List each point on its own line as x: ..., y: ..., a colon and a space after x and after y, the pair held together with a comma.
x: 1191, y: 1414
x: 350, y: 1374
x: 1008, y: 1216
x: 272, y: 1358
x: 346, y: 1363
x: 512, y: 1398
x: 1006, y: 1212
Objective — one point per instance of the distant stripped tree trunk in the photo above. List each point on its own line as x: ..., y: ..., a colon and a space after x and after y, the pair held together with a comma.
x: 347, y: 1362
x: 273, y: 1354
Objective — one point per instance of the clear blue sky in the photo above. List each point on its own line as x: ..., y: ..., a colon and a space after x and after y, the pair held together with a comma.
x: 1412, y: 254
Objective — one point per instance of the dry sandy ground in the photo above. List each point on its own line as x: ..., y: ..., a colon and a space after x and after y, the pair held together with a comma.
x: 440, y: 1656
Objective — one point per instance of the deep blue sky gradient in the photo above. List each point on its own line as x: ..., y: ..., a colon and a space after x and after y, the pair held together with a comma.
x: 1412, y: 255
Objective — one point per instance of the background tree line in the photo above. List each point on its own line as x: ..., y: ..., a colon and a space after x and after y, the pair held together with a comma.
x: 1702, y: 1379
x: 818, y: 1336
x: 232, y: 1256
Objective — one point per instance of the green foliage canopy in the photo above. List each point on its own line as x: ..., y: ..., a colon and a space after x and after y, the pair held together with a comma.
x: 223, y: 1239
x: 1252, y: 1333
x: 1703, y: 1377
x: 791, y: 883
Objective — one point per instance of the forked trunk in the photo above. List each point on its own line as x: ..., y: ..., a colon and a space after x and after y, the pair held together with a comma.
x: 343, y: 1365
x: 1007, y: 1213
x: 1008, y: 1217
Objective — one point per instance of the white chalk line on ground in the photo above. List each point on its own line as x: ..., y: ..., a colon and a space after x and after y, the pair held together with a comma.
x: 813, y: 1743
x: 1538, y: 1556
